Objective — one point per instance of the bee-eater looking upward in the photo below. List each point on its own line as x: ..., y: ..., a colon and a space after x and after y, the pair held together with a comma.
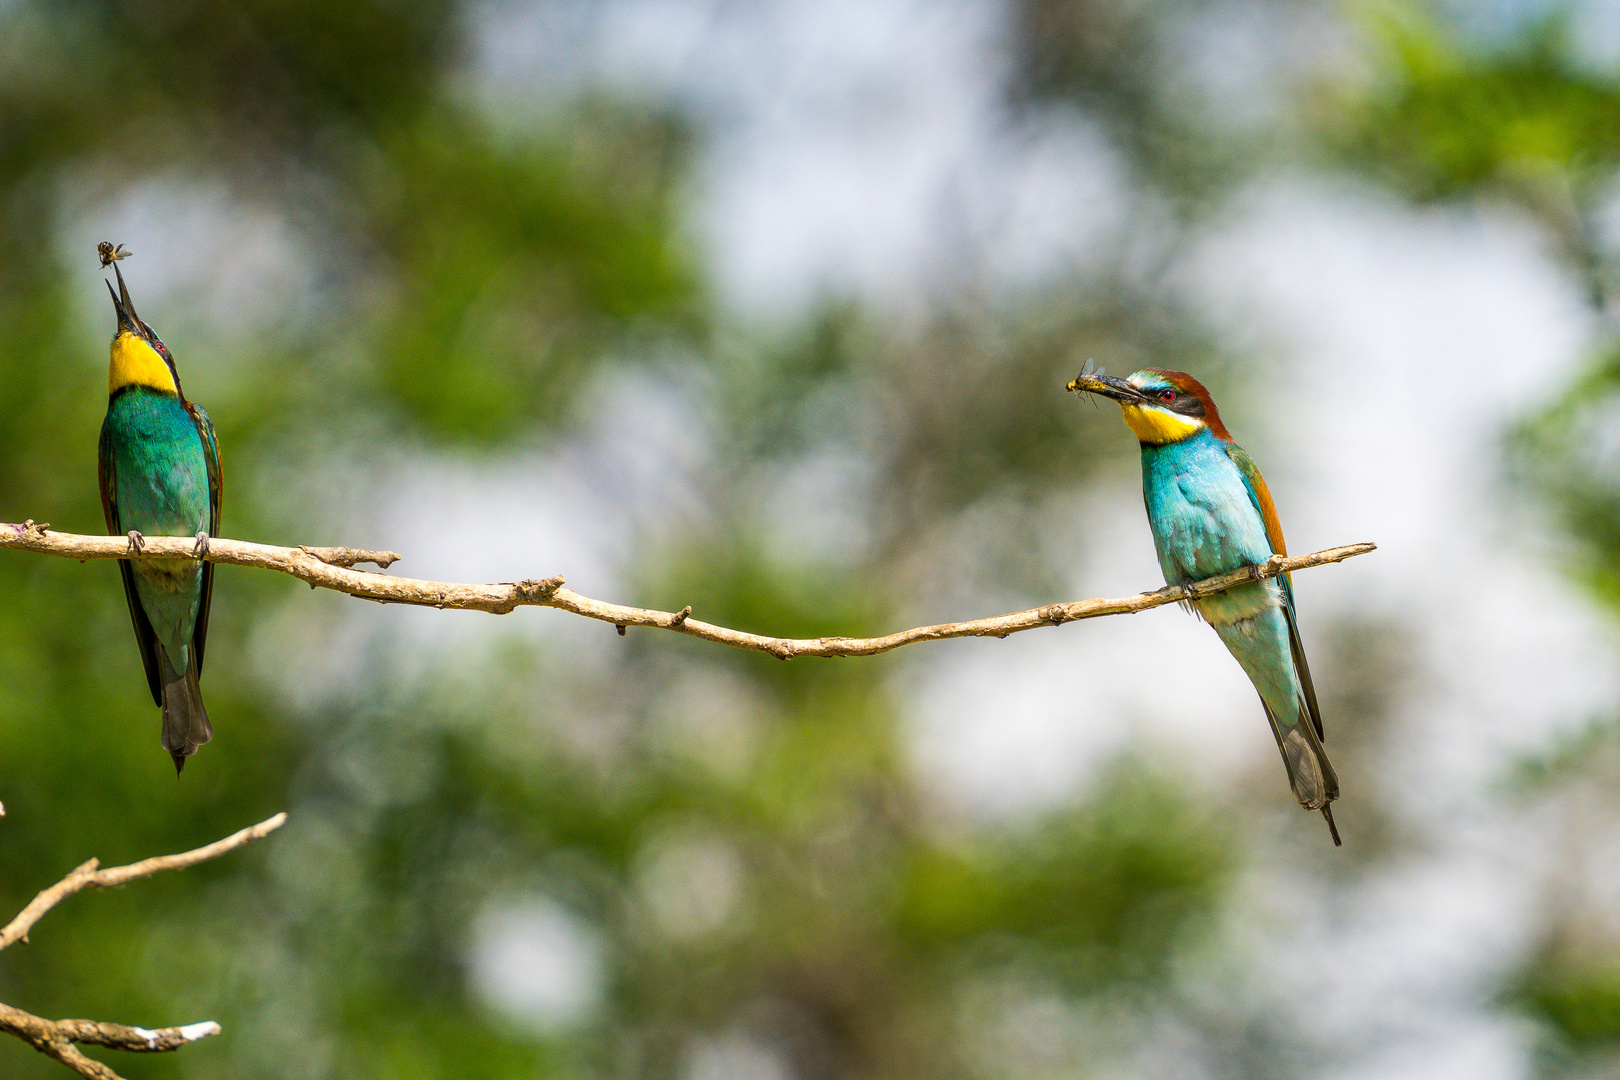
x: 1210, y: 513
x: 160, y: 474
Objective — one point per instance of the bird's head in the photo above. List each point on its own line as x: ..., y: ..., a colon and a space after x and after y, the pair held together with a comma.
x: 1160, y: 406
x: 138, y: 357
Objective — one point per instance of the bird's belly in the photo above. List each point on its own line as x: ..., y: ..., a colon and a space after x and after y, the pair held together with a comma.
x: 1240, y: 605
x: 170, y: 591
x: 1194, y: 544
x: 168, y: 500
x: 1260, y: 643
x: 1198, y: 546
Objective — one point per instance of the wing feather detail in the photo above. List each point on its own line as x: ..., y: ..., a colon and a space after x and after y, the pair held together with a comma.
x: 145, y: 636
x: 216, y: 488
x: 1303, y: 669
x: 1261, y: 496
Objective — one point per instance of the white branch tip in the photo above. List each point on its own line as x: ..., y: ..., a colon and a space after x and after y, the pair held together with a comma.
x: 190, y: 1033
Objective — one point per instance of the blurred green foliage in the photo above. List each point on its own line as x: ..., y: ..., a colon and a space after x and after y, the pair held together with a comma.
x: 1583, y: 1004
x: 1562, y: 451
x: 1527, y: 121
x: 1446, y: 120
x: 518, y: 266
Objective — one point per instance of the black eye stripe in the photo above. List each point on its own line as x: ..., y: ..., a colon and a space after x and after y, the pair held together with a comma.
x: 1180, y: 401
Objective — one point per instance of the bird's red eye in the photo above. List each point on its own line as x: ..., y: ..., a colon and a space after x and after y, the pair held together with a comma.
x: 1167, y: 395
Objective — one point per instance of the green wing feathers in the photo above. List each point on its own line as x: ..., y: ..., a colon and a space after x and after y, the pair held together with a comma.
x: 1301, y: 668
x: 1260, y: 495
x: 216, y: 485
x: 145, y: 636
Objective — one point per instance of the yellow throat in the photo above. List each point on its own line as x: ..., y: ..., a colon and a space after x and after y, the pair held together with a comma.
x: 135, y: 363
x: 1158, y: 426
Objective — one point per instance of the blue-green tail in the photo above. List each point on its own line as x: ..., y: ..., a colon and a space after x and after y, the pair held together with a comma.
x: 1267, y: 645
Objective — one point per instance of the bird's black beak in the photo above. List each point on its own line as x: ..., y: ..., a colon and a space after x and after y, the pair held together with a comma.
x: 124, y: 307
x: 1094, y: 381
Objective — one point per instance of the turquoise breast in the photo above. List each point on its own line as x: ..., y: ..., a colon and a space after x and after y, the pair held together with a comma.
x: 161, y: 488
x: 1205, y: 523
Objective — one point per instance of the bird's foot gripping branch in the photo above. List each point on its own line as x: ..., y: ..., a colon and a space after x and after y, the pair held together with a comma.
x: 60, y: 1039
x: 334, y: 568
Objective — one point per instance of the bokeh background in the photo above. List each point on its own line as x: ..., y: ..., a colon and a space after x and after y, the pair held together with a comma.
x: 767, y: 308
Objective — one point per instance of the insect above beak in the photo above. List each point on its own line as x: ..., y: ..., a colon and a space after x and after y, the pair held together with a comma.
x: 110, y: 254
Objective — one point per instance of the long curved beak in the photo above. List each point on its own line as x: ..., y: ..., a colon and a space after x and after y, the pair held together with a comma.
x: 1095, y: 382
x: 124, y: 307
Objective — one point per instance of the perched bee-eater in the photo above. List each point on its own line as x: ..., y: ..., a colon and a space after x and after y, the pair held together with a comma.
x: 160, y: 474
x: 1211, y: 513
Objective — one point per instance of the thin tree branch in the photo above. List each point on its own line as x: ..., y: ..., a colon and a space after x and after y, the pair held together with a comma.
x: 56, y: 1038
x: 88, y: 876
x: 308, y: 565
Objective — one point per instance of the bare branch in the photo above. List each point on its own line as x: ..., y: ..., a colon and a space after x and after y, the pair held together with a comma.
x: 308, y: 565
x: 88, y: 876
x: 348, y: 556
x: 56, y: 1038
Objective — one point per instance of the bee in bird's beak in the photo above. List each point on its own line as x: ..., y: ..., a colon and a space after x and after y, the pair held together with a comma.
x: 1093, y: 380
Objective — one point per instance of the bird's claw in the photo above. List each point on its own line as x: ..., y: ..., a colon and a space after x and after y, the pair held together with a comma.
x: 200, y: 548
x: 1187, y: 592
x: 137, y: 542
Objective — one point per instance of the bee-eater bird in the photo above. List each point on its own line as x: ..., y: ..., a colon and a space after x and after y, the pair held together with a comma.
x: 1211, y: 513
x: 160, y: 474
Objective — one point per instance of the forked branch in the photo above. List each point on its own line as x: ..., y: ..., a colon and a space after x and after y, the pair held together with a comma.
x: 333, y: 568
x: 57, y: 1038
